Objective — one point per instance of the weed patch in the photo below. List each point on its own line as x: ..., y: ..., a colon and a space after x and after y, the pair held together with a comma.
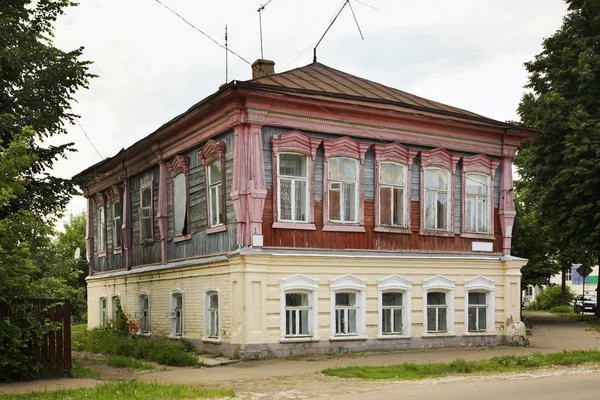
x: 79, y: 370
x: 125, y: 362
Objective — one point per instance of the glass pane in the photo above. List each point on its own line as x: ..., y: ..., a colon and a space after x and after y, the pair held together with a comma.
x: 442, y: 319
x: 215, y: 172
x: 345, y: 299
x: 436, y: 179
x: 352, y: 321
x: 482, y: 214
x: 436, y: 298
x: 431, y: 321
x: 391, y: 174
x: 214, y: 301
x: 482, y: 318
x: 290, y: 323
x: 147, y: 197
x: 442, y: 211
x: 392, y: 299
x: 349, y: 190
x: 472, y: 319
x: 477, y: 184
x: 180, y: 203
x: 334, y: 205
x: 146, y: 228
x: 215, y: 205
x: 386, y: 321
x: 117, y: 209
x: 334, y: 166
x: 398, y: 208
x: 398, y: 320
x: 477, y: 298
x: 385, y: 205
x: 429, y: 210
x: 340, y: 321
x: 296, y: 299
x: 303, y: 329
x: 342, y: 169
x: 118, y: 233
x: 300, y: 203
x: 470, y: 214
x: 293, y: 165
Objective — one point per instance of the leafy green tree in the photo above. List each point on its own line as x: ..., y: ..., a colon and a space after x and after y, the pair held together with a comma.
x: 560, y: 167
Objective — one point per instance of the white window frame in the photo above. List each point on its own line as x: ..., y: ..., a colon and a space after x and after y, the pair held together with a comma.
x: 145, y: 186
x: 293, y: 179
x: 103, y: 310
x: 300, y: 284
x: 101, y: 217
x: 113, y: 306
x: 436, y: 193
x: 349, y: 283
x: 395, y: 284
x: 485, y: 285
x: 487, y: 206
x: 341, y: 190
x: 141, y: 296
x: 217, y: 188
x: 117, y: 225
x: 208, y: 313
x: 172, y: 316
x: 440, y: 283
x: 405, y: 190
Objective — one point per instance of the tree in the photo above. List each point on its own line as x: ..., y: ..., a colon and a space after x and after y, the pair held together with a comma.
x: 560, y: 167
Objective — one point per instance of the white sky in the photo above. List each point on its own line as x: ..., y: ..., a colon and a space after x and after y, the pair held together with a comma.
x: 152, y: 66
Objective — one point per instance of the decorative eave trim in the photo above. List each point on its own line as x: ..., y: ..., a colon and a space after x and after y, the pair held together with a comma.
x: 114, y: 194
x: 392, y: 152
x: 211, y: 151
x: 346, y: 147
x: 480, y: 163
x: 179, y: 164
x: 441, y: 158
x: 296, y: 141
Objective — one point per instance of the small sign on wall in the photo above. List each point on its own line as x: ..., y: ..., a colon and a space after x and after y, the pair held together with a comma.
x: 257, y: 241
x: 482, y: 246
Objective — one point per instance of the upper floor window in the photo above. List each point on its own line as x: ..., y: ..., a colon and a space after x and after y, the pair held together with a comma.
x: 215, y: 183
x: 116, y: 225
x: 213, y: 158
x: 437, y: 199
x: 343, y: 189
x: 101, y: 229
x: 146, y: 226
x: 179, y: 169
x: 392, y: 194
x: 477, y: 210
x: 293, y: 187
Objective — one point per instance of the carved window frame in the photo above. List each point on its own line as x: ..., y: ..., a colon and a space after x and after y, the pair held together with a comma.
x: 398, y: 154
x: 395, y: 284
x: 101, y: 241
x: 438, y: 159
x: 358, y: 286
x: 344, y: 147
x: 305, y: 285
x: 297, y: 143
x: 214, y: 151
x: 440, y: 283
x: 181, y: 165
x: 479, y: 164
x: 481, y: 284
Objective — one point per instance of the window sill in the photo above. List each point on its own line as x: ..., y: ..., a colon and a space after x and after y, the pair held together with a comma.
x: 182, y: 238
x: 347, y: 338
x: 480, y: 333
x: 343, y: 228
x: 102, y: 254
x: 294, y: 225
x: 117, y: 251
x: 483, y: 236
x: 389, y: 229
x: 441, y: 334
x: 211, y: 340
x: 171, y: 336
x: 393, y: 337
x: 436, y: 233
x: 147, y: 334
x: 304, y: 339
x: 215, y: 229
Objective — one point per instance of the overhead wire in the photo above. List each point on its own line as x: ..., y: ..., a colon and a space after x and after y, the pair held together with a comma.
x: 88, y: 138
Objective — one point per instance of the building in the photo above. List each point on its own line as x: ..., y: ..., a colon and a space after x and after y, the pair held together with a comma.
x: 310, y: 211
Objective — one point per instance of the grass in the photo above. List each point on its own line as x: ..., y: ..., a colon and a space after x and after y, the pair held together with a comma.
x: 77, y: 333
x: 410, y: 371
x: 164, y: 351
x: 125, y: 362
x: 79, y: 370
x: 126, y: 390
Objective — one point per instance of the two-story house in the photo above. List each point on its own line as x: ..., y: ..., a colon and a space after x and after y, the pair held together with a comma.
x: 310, y: 211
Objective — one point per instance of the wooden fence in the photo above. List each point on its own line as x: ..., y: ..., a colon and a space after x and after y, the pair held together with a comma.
x: 55, y: 351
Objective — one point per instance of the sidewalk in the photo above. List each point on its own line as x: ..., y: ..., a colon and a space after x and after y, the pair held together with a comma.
x: 550, y: 334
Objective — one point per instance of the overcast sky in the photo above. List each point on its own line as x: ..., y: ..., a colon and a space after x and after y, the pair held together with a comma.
x: 152, y: 66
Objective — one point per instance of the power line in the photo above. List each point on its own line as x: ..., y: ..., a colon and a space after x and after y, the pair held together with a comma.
x: 88, y: 138
x: 193, y: 26
x: 368, y: 5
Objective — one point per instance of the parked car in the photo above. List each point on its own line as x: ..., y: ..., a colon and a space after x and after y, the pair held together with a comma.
x: 586, y: 302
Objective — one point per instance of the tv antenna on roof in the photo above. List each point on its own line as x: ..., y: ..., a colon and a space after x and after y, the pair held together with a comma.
x: 260, y: 9
x: 347, y: 2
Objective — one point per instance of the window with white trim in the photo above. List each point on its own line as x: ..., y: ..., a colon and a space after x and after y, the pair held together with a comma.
x: 348, y: 314
x: 299, y: 315
x: 144, y: 313
x: 394, y: 301
x: 215, y: 182
x: 211, y: 316
x: 293, y: 187
x: 437, y: 312
x: 392, y: 194
x: 146, y: 228
x: 116, y: 224
x: 103, y: 311
x: 392, y: 311
x: 176, y: 315
x: 437, y: 199
x: 115, y: 303
x: 477, y: 203
x: 477, y: 314
x: 101, y: 229
x: 438, y: 306
x: 479, y: 305
x: 343, y: 189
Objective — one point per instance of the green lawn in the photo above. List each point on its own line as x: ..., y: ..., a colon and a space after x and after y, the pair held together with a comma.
x: 127, y: 390
x: 409, y: 371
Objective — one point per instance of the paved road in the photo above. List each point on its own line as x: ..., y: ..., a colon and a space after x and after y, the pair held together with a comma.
x: 582, y: 386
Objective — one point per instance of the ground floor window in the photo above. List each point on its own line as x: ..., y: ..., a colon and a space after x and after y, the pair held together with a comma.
x: 177, y: 314
x: 144, y: 314
x: 299, y: 303
x: 346, y: 310
x: 479, y: 305
x: 391, y: 313
x: 212, y: 315
x: 116, y: 304
x: 103, y: 311
x: 477, y: 312
x: 437, y: 312
x: 297, y: 314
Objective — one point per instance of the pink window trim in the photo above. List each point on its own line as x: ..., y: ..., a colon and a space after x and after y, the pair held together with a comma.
x: 438, y: 158
x: 214, y: 151
x: 484, y: 165
x: 100, y: 201
x: 400, y: 154
x: 295, y: 142
x: 344, y: 147
x: 146, y: 185
x: 181, y: 165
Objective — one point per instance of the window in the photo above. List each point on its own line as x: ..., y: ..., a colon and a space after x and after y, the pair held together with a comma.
x: 177, y: 314
x: 215, y: 183
x: 115, y: 303
x: 477, y: 212
x: 101, y: 230
x: 116, y: 225
x: 211, y: 315
x: 479, y: 306
x: 348, y: 315
x: 299, y: 315
x: 144, y: 313
x: 392, y: 194
x: 103, y: 311
x: 343, y: 189
x: 437, y: 199
x: 391, y: 313
x: 293, y: 187
x: 146, y: 228
x: 394, y: 307
x: 179, y: 169
x: 568, y: 275
x: 438, y: 306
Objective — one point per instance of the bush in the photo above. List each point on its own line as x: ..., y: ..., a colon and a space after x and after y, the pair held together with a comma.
x: 551, y: 297
x: 562, y: 310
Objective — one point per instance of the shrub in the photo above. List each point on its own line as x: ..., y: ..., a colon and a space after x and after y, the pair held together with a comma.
x: 551, y: 297
x: 562, y: 310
